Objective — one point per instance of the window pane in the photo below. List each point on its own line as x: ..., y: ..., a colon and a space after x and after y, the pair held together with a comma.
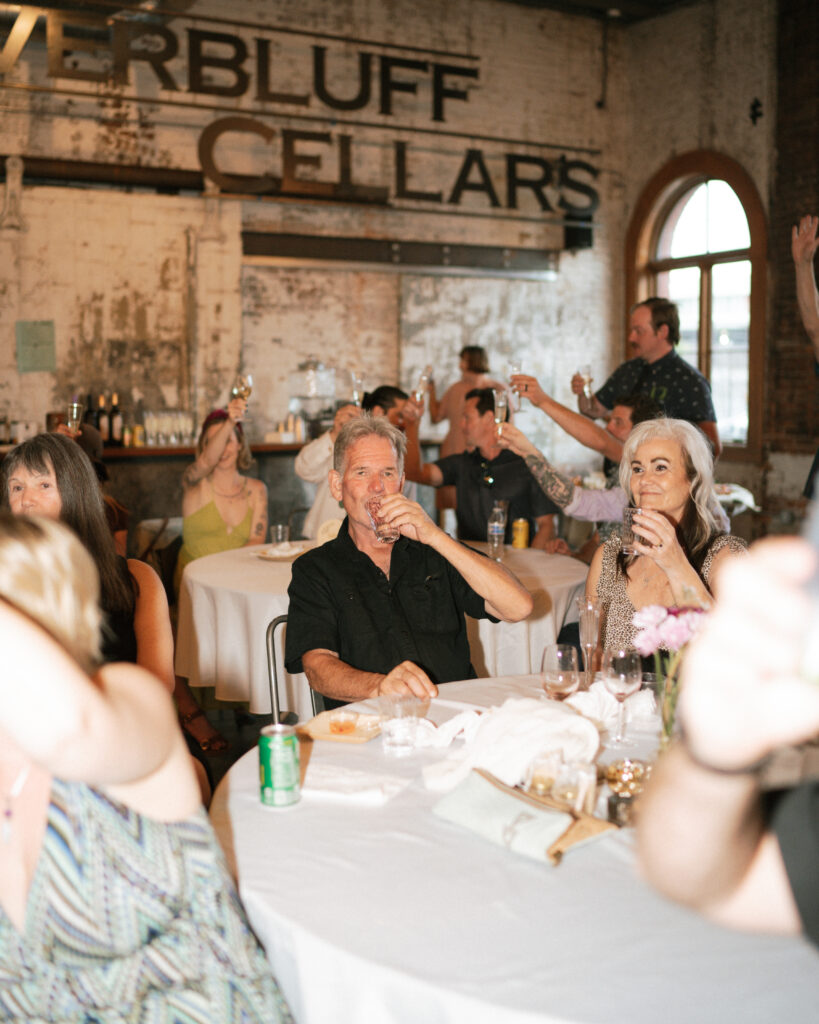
x: 730, y: 317
x: 710, y: 218
x: 683, y: 287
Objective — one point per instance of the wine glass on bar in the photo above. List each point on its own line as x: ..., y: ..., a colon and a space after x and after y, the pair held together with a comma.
x: 74, y: 416
x: 588, y: 617
x: 501, y: 404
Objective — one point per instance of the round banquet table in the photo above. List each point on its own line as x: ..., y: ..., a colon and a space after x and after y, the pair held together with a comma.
x: 392, y: 915
x: 227, y: 600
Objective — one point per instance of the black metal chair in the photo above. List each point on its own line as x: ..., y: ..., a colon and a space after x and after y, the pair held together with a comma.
x: 285, y: 717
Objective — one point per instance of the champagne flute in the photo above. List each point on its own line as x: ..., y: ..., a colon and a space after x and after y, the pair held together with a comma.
x: 501, y: 403
x: 513, y: 367
x: 423, y: 383
x: 585, y: 372
x: 358, y: 387
x: 588, y: 617
x: 559, y: 672
x: 622, y: 676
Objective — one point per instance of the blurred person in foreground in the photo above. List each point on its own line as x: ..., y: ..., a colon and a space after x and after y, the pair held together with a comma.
x: 708, y: 835
x: 369, y: 618
x: 115, y: 900
x: 804, y: 243
x: 667, y: 471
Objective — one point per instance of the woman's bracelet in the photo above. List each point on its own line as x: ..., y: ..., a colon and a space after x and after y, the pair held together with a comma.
x: 748, y: 769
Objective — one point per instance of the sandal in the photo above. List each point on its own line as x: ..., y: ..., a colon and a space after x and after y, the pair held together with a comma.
x: 216, y: 744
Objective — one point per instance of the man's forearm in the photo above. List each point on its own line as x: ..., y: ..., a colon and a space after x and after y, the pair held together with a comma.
x: 808, y: 300
x: 582, y: 428
x: 555, y: 485
x: 504, y: 594
x: 329, y: 675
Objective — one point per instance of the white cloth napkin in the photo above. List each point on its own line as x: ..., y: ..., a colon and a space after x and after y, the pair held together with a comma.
x: 350, y: 785
x: 505, y: 740
x: 598, y: 705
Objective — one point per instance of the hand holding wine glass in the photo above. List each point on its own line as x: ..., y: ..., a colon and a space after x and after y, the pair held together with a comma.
x: 622, y: 673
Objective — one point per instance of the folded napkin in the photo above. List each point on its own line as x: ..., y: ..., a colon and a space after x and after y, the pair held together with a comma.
x: 600, y: 707
x: 350, y: 785
x: 506, y: 740
x: 515, y: 820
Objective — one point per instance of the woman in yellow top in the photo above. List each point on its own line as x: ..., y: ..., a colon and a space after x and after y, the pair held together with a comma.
x: 221, y: 510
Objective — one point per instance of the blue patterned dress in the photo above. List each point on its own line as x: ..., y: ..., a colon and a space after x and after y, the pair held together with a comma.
x: 132, y: 921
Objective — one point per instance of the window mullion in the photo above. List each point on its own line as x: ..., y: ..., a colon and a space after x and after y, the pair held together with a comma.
x: 705, y: 320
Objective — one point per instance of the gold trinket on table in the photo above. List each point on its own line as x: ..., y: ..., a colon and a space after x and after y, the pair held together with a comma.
x: 627, y: 777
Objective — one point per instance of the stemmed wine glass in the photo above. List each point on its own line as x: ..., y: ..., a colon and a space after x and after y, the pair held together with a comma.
x: 242, y: 388
x: 622, y: 675
x: 559, y: 672
x: 501, y: 403
x: 588, y: 616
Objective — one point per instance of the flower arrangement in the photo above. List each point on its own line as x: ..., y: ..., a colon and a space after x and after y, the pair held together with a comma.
x: 666, y: 629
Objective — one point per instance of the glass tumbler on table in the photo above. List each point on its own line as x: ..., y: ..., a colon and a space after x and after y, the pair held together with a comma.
x: 588, y: 618
x: 622, y: 675
x: 559, y: 671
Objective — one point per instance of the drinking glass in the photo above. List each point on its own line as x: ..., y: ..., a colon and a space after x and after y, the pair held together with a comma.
x: 627, y: 537
x: 74, y: 415
x: 279, y: 533
x: 622, y: 675
x: 384, y: 531
x: 513, y: 367
x: 501, y: 403
x: 559, y: 672
x: 585, y: 372
x: 588, y: 617
x: 358, y: 387
x: 423, y: 383
x: 400, y: 715
x: 242, y: 386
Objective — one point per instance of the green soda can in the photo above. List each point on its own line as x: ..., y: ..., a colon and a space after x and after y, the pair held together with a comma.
x: 279, y: 773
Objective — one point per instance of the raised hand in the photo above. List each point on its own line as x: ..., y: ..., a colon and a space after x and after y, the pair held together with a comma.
x: 804, y: 240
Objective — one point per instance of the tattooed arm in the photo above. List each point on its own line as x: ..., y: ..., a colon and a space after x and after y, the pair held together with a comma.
x: 258, y: 500
x: 555, y: 485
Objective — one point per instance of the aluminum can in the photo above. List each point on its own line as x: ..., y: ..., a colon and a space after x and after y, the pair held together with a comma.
x: 279, y: 773
x: 520, y: 533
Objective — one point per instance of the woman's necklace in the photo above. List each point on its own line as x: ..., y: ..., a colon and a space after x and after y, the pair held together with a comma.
x: 233, y: 494
x: 10, y: 797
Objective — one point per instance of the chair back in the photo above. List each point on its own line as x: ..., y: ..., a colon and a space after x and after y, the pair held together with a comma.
x: 316, y: 699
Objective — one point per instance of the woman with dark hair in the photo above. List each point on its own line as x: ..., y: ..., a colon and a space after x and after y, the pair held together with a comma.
x: 667, y: 472
x: 115, y: 900
x: 474, y: 366
x: 221, y: 509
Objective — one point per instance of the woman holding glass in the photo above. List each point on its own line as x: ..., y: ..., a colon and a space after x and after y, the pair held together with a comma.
x: 221, y: 509
x: 667, y: 471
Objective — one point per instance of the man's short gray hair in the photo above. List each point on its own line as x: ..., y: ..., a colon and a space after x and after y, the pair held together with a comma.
x: 363, y: 426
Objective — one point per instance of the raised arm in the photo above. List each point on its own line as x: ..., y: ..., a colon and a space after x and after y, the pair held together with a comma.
x: 504, y: 595
x: 589, y: 406
x: 414, y: 468
x: 804, y: 243
x: 209, y: 457
x: 555, y: 485
x: 703, y: 838
x: 578, y: 426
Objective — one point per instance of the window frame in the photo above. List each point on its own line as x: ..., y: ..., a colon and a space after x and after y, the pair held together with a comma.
x: 655, y: 204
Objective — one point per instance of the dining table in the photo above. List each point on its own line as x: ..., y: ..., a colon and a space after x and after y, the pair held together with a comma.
x: 388, y: 912
x: 226, y: 601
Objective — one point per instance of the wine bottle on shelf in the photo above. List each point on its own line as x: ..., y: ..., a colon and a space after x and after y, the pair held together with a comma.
x: 89, y: 416
x: 116, y: 423
x: 103, y: 421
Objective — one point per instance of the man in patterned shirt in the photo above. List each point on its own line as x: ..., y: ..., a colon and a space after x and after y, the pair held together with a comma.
x: 658, y: 371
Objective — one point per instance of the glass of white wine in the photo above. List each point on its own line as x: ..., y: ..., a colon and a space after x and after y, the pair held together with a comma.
x: 501, y: 404
x: 242, y: 388
x: 585, y: 372
x: 559, y: 671
x: 358, y: 386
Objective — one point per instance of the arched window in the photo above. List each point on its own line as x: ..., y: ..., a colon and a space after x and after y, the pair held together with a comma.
x: 698, y: 238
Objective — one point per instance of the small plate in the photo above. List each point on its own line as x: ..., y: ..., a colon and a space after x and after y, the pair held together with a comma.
x: 319, y: 728
x: 281, y: 552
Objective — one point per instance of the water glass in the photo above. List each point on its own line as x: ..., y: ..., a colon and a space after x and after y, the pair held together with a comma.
x: 627, y: 537
x: 400, y: 715
x: 559, y: 672
x: 279, y: 533
x: 384, y: 531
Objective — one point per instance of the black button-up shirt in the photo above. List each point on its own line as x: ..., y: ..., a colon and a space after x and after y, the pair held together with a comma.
x: 341, y: 601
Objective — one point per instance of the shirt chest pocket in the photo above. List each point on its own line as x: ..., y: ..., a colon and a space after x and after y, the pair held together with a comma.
x: 430, y: 607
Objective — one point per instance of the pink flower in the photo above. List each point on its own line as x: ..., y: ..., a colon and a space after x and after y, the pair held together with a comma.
x: 651, y: 615
x: 648, y: 641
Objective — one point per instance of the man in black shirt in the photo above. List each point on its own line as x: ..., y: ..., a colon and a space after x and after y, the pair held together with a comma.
x: 367, y: 617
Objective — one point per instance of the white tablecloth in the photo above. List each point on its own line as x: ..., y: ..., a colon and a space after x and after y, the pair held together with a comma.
x: 227, y: 600
x: 392, y: 915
